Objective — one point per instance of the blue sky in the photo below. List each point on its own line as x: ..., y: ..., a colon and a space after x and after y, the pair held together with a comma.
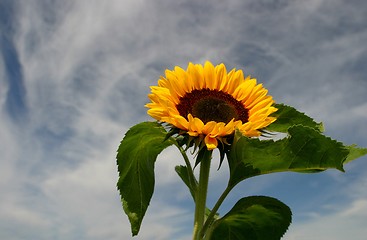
x: 74, y: 76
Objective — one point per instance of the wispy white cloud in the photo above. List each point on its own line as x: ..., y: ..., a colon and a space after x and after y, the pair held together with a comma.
x: 87, y: 67
x: 4, y: 87
x: 345, y: 222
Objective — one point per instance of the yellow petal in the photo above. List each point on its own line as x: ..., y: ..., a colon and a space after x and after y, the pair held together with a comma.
x: 209, y: 126
x: 234, y: 81
x: 244, y: 90
x: 221, y: 76
x: 181, y: 122
x: 211, y: 143
x: 210, y: 76
x: 195, y: 124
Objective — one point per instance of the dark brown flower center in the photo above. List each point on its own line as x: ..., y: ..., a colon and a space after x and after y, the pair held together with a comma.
x: 212, y: 105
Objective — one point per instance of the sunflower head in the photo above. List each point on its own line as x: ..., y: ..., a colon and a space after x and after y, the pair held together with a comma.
x: 209, y: 104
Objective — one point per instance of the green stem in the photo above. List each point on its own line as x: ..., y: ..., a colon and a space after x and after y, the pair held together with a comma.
x: 188, y: 165
x: 210, y: 218
x: 200, y: 199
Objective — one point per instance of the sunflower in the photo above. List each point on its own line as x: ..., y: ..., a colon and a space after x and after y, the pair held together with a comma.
x: 207, y: 102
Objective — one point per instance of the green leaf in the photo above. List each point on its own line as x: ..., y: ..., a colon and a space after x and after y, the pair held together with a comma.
x: 135, y: 159
x: 304, y: 150
x: 354, y: 153
x: 253, y: 218
x: 288, y: 116
x: 186, y: 177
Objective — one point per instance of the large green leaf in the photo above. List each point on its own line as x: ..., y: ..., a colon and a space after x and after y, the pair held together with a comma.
x: 288, y: 116
x: 135, y: 159
x: 304, y: 150
x: 253, y: 218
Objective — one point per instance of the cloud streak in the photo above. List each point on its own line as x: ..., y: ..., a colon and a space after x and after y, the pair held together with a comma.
x: 82, y: 71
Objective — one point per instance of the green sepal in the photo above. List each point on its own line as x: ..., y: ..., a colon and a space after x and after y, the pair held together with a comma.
x: 288, y: 116
x: 136, y: 156
x: 253, y: 218
x: 201, y: 154
x: 172, y: 131
x: 224, y: 147
x: 304, y: 150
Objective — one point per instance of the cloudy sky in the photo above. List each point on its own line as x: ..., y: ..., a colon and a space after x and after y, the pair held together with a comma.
x: 74, y: 76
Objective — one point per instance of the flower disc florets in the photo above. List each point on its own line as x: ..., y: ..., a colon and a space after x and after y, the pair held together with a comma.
x: 207, y: 102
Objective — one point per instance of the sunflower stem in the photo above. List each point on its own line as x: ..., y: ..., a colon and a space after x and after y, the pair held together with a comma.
x: 210, y: 218
x: 201, y: 194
